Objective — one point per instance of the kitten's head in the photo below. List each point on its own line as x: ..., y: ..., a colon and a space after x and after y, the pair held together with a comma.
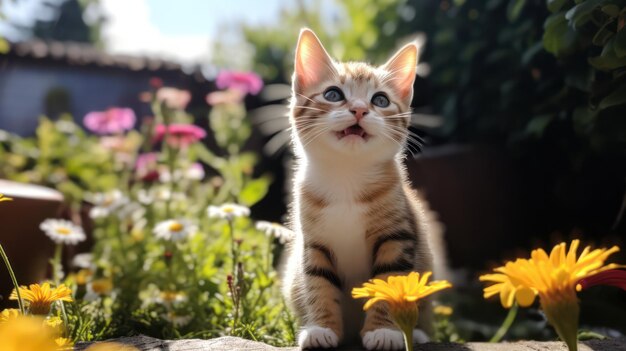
x: 350, y: 109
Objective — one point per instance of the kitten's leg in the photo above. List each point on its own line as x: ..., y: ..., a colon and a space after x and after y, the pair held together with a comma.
x: 322, y: 321
x: 394, y: 254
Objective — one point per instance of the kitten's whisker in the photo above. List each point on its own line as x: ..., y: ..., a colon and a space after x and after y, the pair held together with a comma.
x: 408, y: 113
x: 306, y: 97
x: 411, y: 143
x: 310, y: 108
x: 397, y: 142
x: 320, y: 133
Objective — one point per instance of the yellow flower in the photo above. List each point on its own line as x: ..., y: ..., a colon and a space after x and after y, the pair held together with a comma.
x: 9, y: 314
x: 554, y: 278
x: 442, y: 310
x: 40, y: 298
x: 547, y: 276
x: 82, y: 276
x: 398, y: 290
x: 110, y: 346
x: 402, y: 294
x: 4, y: 198
x: 27, y: 333
x: 102, y: 286
x: 137, y: 234
x: 64, y: 344
x: 54, y: 323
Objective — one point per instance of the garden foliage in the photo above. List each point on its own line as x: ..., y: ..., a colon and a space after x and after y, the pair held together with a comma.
x: 173, y: 255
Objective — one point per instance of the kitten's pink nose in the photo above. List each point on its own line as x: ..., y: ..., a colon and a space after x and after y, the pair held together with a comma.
x: 359, y: 112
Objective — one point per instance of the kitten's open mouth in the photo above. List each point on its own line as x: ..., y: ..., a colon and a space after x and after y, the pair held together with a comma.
x: 355, y: 129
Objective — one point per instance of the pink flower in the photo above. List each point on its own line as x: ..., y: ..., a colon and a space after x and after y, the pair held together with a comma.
x: 113, y: 120
x: 230, y: 96
x: 156, y: 82
x: 179, y: 135
x: 174, y: 98
x: 146, y: 166
x: 246, y: 82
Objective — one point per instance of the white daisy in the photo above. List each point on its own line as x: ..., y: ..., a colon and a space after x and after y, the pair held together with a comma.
x: 169, y: 298
x: 161, y: 194
x: 145, y: 197
x: 131, y: 211
x: 228, y: 211
x: 175, y: 229
x: 83, y: 260
x: 193, y: 172
x: 62, y: 231
x: 176, y: 319
x: 105, y: 203
x: 276, y: 230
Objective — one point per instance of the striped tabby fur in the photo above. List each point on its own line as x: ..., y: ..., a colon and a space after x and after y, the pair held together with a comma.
x: 354, y: 213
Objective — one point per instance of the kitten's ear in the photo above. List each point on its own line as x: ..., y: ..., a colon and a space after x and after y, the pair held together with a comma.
x: 312, y: 61
x: 401, y: 68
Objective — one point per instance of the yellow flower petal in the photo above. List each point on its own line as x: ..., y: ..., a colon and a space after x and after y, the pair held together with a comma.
x: 548, y: 276
x: 397, y: 290
x: 525, y: 296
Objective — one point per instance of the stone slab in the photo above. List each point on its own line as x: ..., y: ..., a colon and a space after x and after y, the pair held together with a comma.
x: 227, y: 343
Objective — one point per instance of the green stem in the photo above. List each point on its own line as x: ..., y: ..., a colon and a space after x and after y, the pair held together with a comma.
x: 408, y: 338
x: 120, y: 231
x: 56, y: 264
x: 12, y: 274
x: 508, y: 321
x: 56, y: 268
x: 270, y: 243
x: 233, y: 248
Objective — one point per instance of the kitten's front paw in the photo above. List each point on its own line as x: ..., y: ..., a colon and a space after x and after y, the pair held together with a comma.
x: 383, y: 339
x: 419, y: 336
x: 314, y: 337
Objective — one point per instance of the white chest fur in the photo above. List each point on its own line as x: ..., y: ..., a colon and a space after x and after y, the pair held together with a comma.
x: 342, y: 229
x: 341, y: 225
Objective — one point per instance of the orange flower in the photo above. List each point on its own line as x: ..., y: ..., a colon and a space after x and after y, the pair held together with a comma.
x: 41, y: 297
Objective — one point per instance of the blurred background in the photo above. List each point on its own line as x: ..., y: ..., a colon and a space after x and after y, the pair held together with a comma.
x: 520, y: 104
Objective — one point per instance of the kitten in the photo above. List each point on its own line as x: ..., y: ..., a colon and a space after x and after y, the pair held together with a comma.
x: 354, y: 213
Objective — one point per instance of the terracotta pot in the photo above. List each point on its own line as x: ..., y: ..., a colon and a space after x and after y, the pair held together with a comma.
x: 28, y: 249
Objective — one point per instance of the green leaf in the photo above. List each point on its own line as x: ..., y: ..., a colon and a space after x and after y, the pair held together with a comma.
x: 514, y: 9
x: 555, y: 5
x: 558, y: 37
x: 537, y: 125
x: 611, y: 10
x: 590, y: 335
x: 619, y: 43
x: 531, y: 52
x: 603, y: 34
x: 254, y: 191
x: 608, y: 59
x: 581, y: 13
x: 617, y: 97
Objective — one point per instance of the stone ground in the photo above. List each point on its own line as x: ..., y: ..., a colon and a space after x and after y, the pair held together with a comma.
x: 145, y: 343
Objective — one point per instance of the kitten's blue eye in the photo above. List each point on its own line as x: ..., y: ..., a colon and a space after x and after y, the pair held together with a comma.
x: 380, y: 100
x: 333, y: 94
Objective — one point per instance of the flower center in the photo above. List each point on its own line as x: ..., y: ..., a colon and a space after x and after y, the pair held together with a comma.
x: 63, y: 231
x: 169, y: 296
x: 176, y: 227
x: 229, y: 209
